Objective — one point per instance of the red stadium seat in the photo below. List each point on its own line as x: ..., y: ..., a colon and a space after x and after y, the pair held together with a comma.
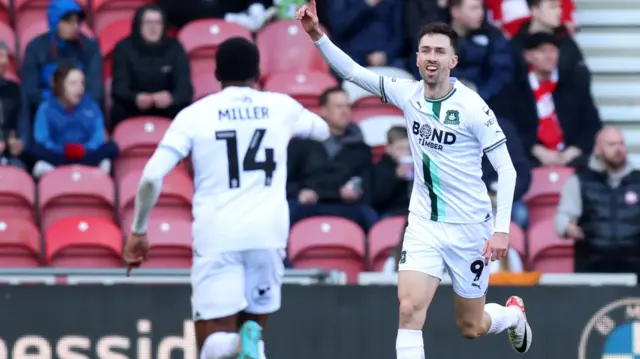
x: 108, y: 38
x: 285, y: 46
x: 328, y: 243
x: 137, y: 139
x: 548, y: 252
x: 517, y: 241
x: 304, y: 86
x: 70, y: 191
x: 204, y: 84
x: 19, y: 243
x: 543, y: 196
x: 169, y: 243
x: 38, y: 26
x: 5, y: 12
x: 83, y: 242
x: 362, y: 113
x: 17, y: 193
x: 201, y: 39
x: 384, y: 238
x: 106, y: 12
x: 174, y: 201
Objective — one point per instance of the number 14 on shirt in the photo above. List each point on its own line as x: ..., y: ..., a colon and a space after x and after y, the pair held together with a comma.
x: 249, y: 162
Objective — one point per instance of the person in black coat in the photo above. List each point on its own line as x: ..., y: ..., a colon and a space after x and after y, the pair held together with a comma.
x: 521, y: 163
x: 151, y: 74
x: 553, y: 111
x: 332, y: 177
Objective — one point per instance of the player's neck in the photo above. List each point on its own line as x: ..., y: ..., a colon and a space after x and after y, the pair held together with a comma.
x: 537, y: 26
x: 437, y: 91
x: 238, y: 84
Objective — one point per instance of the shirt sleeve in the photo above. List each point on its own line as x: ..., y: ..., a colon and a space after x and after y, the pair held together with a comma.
x: 307, y: 124
x: 178, y: 137
x: 396, y: 91
x: 486, y: 129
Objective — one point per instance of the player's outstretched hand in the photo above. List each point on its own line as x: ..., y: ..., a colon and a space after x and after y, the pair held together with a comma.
x: 496, y: 247
x: 308, y: 17
x: 135, y: 251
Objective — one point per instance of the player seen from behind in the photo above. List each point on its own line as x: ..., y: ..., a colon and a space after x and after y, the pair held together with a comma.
x: 238, y: 142
x: 450, y: 225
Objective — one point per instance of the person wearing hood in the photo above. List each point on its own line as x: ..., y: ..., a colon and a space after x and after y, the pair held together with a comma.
x: 69, y: 127
x: 332, y: 178
x: 63, y: 43
x: 546, y: 17
x: 151, y: 74
x: 599, y: 209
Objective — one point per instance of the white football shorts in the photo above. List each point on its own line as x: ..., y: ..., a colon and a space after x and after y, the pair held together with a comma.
x: 433, y: 247
x: 233, y: 282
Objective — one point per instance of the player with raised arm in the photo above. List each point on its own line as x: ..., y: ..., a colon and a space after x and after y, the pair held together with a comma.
x: 450, y: 225
x: 238, y: 142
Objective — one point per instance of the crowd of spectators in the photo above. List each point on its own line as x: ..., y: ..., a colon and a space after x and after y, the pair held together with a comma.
x: 519, y: 55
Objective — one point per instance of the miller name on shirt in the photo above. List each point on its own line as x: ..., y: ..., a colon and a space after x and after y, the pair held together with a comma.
x: 244, y: 113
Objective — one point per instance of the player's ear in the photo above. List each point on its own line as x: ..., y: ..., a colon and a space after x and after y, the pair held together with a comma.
x: 454, y: 62
x: 417, y: 59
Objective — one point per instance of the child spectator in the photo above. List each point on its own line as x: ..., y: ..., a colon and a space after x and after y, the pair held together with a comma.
x: 393, y: 175
x: 69, y: 127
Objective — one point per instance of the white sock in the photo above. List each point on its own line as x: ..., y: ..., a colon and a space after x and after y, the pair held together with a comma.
x: 409, y: 344
x: 502, y: 317
x: 220, y: 345
x: 261, y: 349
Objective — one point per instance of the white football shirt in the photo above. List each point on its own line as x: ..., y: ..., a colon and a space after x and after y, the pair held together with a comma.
x: 238, y: 142
x: 448, y: 138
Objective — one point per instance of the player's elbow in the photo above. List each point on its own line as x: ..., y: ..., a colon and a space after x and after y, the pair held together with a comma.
x: 320, y: 131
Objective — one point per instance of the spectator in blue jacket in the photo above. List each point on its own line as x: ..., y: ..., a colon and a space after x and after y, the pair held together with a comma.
x: 370, y: 31
x: 69, y: 127
x: 64, y: 43
x: 484, y: 54
x: 522, y: 164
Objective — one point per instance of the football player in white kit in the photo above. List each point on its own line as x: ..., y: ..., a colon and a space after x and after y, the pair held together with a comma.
x: 450, y: 226
x: 238, y: 142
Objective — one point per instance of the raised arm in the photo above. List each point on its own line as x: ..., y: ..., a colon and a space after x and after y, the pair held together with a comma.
x: 341, y: 63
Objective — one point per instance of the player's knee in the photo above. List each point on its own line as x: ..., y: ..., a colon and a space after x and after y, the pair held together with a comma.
x: 469, y: 328
x: 410, y: 309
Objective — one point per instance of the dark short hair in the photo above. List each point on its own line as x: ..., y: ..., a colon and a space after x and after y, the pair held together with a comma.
x: 396, y: 133
x: 535, y: 40
x: 237, y: 59
x: 59, y: 75
x: 324, y: 98
x: 442, y: 29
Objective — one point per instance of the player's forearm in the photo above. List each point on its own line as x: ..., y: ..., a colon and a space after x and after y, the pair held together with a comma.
x: 161, y: 163
x: 501, y: 161
x: 346, y: 68
x: 148, y: 194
